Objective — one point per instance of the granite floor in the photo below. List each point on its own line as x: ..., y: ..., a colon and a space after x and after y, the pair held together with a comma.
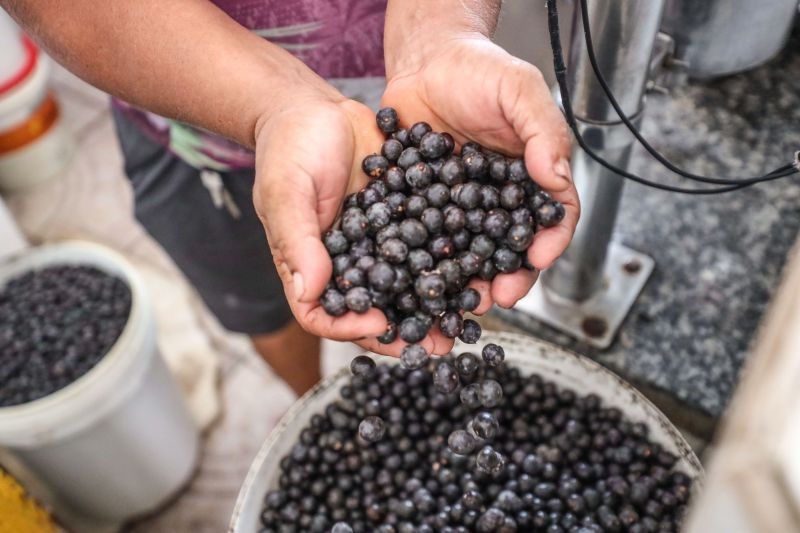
x: 718, y: 258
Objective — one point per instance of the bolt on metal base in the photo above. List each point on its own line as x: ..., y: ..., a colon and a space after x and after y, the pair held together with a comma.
x: 596, y: 320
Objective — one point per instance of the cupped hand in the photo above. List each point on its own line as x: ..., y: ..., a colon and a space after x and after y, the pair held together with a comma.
x: 472, y: 88
x: 308, y: 158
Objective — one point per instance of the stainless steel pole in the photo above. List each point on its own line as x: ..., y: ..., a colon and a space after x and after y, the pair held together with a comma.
x: 590, y: 290
x: 624, y: 33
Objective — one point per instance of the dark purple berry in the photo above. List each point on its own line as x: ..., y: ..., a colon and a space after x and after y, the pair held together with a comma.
x: 433, y: 220
x: 415, y: 205
x: 517, y: 171
x: 470, y: 263
x: 445, y: 378
x: 471, y: 333
x: 538, y: 200
x: 378, y: 215
x: 467, y: 363
x: 402, y: 279
x: 476, y: 165
x: 372, y: 429
x: 474, y: 220
x: 437, y: 195
x: 413, y: 232
x: 493, y: 354
x: 419, y: 261
x: 498, y: 170
x: 482, y: 246
x: 506, y: 260
x: 441, y: 247
x: 550, y: 214
x: 413, y: 357
x: 490, y: 393
x: 381, y: 276
x: 412, y: 330
x: 392, y: 230
x: 352, y: 277
x: 461, y: 442
x: 409, y: 158
x: 335, y: 242
x: 358, y: 299
x: 392, y: 149
x: 454, y: 220
x: 519, y: 237
x: 419, y: 175
x: 451, y: 324
x: 469, y: 299
x: 452, y: 172
x: 468, y: 195
x: 333, y: 303
x: 362, y: 365
x: 522, y: 216
x: 394, y: 251
x: 470, y: 395
x: 387, y: 120
x: 404, y: 136
x: 429, y: 285
x: 418, y: 131
x: 354, y: 224
x: 461, y: 239
x: 342, y: 263
x: 511, y: 196
x: 375, y: 165
x: 365, y: 263
x: 487, y: 271
x: 432, y: 145
x: 496, y: 223
x: 395, y: 179
x: 490, y: 461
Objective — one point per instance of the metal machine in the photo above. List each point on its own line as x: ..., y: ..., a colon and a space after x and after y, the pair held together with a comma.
x: 590, y: 290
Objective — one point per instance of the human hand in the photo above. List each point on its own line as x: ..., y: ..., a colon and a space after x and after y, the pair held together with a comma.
x: 464, y: 84
x: 308, y: 158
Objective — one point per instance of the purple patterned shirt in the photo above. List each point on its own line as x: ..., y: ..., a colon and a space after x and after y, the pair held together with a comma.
x: 338, y: 39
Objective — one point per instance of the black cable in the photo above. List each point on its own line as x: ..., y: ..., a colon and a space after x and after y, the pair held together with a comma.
x: 632, y: 128
x: 561, y: 71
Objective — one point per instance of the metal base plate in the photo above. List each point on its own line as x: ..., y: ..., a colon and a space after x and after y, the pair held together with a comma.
x: 594, y: 321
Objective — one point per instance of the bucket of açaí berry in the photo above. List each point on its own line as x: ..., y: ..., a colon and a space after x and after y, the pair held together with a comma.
x: 86, y: 401
x: 576, y: 448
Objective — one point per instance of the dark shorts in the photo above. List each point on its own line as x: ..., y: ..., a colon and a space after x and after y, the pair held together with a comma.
x: 226, y: 258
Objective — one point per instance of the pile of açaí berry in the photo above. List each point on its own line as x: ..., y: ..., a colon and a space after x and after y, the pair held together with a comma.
x: 459, y: 443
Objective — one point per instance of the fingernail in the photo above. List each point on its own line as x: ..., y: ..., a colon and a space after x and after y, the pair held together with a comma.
x: 299, y: 286
x: 562, y: 170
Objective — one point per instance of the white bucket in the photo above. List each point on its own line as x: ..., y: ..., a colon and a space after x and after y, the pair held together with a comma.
x: 119, y: 441
x: 529, y: 354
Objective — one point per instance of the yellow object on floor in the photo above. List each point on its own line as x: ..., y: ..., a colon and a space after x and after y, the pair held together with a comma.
x: 19, y: 513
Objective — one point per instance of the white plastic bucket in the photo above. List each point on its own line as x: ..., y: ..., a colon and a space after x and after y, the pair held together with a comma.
x: 529, y: 354
x: 119, y: 441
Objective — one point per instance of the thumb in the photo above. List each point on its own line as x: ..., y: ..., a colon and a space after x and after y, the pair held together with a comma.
x: 287, y: 206
x: 532, y: 112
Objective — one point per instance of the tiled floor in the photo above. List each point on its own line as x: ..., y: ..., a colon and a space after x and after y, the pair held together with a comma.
x: 92, y: 201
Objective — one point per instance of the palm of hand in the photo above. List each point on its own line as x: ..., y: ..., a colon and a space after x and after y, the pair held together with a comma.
x: 307, y: 159
x: 477, y: 91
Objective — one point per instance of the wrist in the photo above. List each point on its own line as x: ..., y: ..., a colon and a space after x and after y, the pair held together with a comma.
x: 417, y: 30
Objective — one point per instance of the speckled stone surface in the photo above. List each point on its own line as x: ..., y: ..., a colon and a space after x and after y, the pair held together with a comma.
x: 718, y: 258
